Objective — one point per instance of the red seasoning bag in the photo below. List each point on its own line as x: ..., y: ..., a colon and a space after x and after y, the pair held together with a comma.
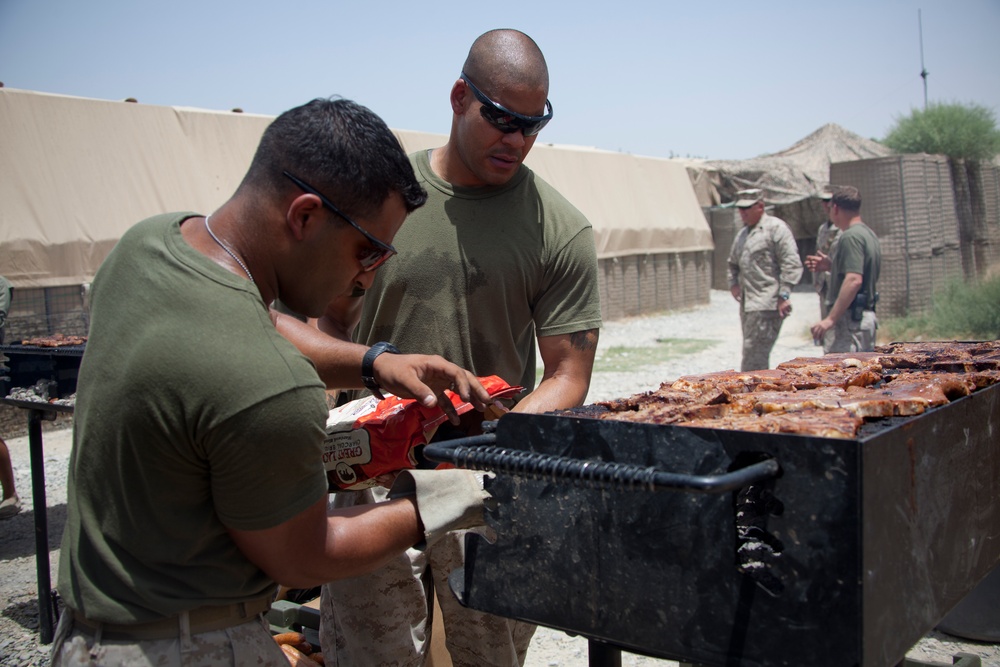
x: 369, y: 438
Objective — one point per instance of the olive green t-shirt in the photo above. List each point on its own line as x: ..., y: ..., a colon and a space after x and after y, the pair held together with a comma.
x: 858, y: 251
x: 482, y: 271
x: 193, y: 415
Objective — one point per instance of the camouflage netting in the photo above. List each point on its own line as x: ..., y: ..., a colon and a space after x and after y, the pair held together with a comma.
x: 798, y: 172
x: 791, y: 179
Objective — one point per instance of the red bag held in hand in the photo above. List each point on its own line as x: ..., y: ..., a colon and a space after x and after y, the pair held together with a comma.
x: 370, y: 438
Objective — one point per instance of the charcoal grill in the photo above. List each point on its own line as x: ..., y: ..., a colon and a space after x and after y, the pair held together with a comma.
x: 55, y: 370
x: 26, y: 365
x: 734, y: 548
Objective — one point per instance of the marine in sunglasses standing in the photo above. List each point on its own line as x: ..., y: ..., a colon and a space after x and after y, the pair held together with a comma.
x: 494, y: 263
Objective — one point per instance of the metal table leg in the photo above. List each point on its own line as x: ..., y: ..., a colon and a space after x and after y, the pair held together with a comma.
x: 46, y: 609
x: 603, y: 655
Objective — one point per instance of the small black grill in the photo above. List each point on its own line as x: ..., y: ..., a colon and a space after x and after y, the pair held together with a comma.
x: 56, y: 367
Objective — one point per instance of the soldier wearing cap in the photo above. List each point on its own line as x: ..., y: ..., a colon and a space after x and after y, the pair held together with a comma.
x: 764, y: 265
x: 826, y: 240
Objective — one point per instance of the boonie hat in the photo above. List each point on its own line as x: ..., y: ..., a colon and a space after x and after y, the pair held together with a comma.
x: 747, y: 198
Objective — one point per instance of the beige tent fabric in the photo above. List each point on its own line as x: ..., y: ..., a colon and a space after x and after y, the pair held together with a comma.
x: 637, y: 205
x: 75, y: 173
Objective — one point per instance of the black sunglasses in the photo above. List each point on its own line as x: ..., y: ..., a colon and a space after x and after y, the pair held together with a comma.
x: 504, y: 119
x: 372, y: 258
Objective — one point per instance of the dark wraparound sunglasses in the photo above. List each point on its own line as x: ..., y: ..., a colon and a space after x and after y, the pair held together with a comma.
x: 504, y: 119
x: 370, y: 259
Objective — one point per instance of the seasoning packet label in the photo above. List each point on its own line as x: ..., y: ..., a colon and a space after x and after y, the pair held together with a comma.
x: 369, y: 440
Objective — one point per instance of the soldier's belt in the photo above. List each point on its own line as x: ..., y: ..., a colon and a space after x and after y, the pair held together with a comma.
x: 202, y: 619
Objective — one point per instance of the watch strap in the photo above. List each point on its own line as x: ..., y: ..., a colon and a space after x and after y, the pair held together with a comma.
x: 368, y: 366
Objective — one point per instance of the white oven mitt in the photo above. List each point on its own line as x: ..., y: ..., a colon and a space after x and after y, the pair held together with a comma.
x: 447, y: 500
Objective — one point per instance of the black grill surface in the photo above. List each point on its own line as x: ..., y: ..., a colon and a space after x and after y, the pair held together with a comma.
x: 848, y: 557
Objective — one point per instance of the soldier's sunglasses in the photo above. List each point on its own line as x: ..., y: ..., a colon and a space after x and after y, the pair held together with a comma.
x: 504, y: 119
x: 371, y: 258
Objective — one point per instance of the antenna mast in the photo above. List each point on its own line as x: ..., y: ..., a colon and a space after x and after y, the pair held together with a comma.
x: 923, y: 70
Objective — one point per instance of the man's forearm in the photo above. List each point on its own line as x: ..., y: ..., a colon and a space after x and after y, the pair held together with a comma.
x: 338, y: 362
x: 569, y: 362
x: 554, y: 393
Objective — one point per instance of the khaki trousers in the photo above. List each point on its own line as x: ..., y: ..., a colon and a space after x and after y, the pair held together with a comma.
x: 387, y: 617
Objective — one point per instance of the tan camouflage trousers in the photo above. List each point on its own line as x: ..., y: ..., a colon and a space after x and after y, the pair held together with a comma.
x: 384, y: 618
x: 245, y: 644
x: 760, y: 330
x: 847, y: 335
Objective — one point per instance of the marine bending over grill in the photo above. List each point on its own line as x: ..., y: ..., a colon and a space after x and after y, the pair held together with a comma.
x: 196, y: 480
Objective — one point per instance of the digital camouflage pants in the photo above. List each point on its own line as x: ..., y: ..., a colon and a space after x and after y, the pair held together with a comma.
x: 760, y: 330
x: 249, y: 643
x: 384, y: 618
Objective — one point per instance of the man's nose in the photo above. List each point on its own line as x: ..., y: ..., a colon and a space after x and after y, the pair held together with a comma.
x: 515, y: 139
x: 364, y: 279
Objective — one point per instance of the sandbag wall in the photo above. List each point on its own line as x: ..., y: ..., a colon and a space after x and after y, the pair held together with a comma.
x: 909, y: 202
x: 991, y: 197
x: 633, y: 285
x: 981, y: 235
x: 43, y: 311
x: 725, y: 224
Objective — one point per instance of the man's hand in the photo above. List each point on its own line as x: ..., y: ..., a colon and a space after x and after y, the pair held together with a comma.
x: 735, y: 291
x: 425, y: 378
x: 784, y: 307
x: 818, y: 262
x: 820, y: 328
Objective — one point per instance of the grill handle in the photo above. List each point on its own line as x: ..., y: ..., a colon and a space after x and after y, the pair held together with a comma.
x: 481, y: 453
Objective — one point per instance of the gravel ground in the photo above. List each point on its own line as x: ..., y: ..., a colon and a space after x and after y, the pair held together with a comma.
x: 717, y: 323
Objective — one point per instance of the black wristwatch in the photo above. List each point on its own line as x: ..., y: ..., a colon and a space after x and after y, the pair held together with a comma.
x: 368, y: 366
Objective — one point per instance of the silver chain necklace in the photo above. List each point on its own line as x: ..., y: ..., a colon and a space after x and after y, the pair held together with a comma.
x: 228, y: 251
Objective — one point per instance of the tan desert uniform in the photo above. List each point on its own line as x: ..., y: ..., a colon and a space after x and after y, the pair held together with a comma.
x: 763, y: 261
x: 826, y: 241
x: 246, y: 644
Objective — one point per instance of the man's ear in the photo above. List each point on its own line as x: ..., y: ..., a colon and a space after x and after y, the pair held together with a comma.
x: 302, y: 212
x: 459, y: 97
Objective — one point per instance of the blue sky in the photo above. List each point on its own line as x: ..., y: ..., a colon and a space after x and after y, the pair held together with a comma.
x: 721, y: 79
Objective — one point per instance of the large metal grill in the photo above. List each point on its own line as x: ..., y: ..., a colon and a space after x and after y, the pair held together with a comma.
x: 847, y: 554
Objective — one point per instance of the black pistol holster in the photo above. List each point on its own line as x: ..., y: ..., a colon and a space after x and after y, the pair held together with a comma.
x: 860, y: 305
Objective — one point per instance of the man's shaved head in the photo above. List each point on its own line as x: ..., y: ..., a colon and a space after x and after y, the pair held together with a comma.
x: 502, y: 58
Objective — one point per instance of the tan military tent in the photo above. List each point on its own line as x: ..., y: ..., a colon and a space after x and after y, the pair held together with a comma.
x: 75, y: 173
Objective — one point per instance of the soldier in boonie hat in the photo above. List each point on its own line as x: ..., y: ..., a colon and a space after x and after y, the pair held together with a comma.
x: 747, y: 198
x: 764, y: 266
